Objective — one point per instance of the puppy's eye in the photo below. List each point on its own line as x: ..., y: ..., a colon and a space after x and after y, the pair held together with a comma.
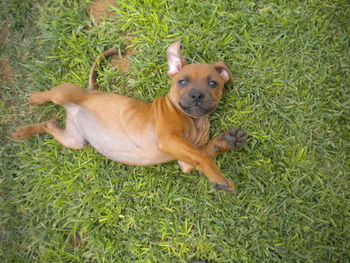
x: 183, y: 82
x: 212, y: 84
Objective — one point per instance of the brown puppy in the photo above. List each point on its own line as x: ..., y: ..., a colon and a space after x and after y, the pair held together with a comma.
x: 139, y: 133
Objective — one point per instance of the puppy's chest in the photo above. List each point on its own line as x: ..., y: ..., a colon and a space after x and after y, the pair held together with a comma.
x: 200, y: 134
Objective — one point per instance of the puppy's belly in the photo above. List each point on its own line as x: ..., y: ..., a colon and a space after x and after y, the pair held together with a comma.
x: 136, y: 148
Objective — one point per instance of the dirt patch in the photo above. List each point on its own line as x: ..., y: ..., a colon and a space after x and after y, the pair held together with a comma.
x: 78, y: 241
x: 10, y: 103
x: 101, y: 8
x: 4, y: 34
x: 6, y: 75
x: 6, y: 71
x: 121, y: 63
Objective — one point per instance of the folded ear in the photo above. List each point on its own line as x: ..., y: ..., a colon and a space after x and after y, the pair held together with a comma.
x: 224, y: 72
x: 175, y: 60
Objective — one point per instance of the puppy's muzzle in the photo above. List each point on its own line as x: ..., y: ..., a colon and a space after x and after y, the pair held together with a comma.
x: 196, y: 96
x: 197, y: 103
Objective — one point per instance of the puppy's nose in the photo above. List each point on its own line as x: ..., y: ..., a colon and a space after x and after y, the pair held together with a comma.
x: 196, y: 95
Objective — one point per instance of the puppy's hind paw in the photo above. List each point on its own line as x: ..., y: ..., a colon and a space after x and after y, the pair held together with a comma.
x: 26, y: 131
x: 22, y: 132
x: 38, y: 98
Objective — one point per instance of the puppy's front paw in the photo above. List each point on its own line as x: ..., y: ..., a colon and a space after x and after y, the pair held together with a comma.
x: 235, y: 138
x: 227, y: 186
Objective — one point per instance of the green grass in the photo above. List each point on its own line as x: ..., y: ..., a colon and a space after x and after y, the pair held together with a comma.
x: 290, y: 61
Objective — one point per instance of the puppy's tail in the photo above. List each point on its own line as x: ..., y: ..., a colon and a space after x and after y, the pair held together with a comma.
x: 93, y: 72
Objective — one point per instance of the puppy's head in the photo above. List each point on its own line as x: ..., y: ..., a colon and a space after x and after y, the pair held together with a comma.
x: 196, y: 88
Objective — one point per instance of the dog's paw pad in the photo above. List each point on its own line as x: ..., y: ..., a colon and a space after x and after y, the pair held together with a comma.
x: 235, y: 138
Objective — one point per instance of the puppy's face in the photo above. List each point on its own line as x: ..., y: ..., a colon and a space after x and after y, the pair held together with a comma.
x: 196, y: 88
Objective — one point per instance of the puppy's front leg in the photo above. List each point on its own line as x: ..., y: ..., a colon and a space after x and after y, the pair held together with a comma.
x: 232, y: 139
x: 182, y: 150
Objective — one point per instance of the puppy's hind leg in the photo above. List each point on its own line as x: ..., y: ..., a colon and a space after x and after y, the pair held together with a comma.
x: 26, y: 131
x: 61, y: 95
x: 69, y: 137
x: 39, y: 98
x: 65, y: 95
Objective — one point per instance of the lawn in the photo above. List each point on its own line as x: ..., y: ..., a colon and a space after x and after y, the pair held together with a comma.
x: 291, y: 65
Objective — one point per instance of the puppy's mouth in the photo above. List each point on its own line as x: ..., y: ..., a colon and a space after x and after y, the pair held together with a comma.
x: 195, y: 110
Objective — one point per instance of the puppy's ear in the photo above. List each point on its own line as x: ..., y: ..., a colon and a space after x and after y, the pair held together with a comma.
x: 224, y: 72
x: 175, y: 60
